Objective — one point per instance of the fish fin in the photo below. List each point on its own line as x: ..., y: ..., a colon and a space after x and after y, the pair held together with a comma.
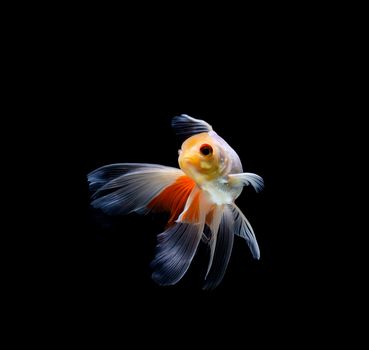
x: 246, y: 179
x: 191, y: 213
x: 185, y: 125
x: 243, y: 229
x: 175, y: 251
x: 178, y: 244
x: 107, y: 173
x: 222, y: 248
x: 196, y: 207
x: 213, y: 220
x: 173, y: 198
x: 134, y: 186
x: 206, y: 235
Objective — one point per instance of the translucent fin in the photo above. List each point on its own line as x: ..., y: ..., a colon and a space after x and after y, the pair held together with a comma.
x: 105, y: 174
x: 223, y: 249
x: 206, y: 235
x: 178, y: 244
x: 188, y: 126
x: 246, y: 179
x: 243, y: 229
x: 175, y: 251
x: 134, y: 190
x: 214, y: 227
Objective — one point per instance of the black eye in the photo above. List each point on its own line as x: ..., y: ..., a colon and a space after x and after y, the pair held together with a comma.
x: 206, y: 150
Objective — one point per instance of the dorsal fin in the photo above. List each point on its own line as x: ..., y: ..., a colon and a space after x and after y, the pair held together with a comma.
x: 187, y: 126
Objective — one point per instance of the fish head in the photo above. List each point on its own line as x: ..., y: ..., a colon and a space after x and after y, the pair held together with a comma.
x: 203, y: 158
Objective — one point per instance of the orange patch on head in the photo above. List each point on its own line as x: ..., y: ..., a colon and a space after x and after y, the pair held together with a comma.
x: 173, y: 199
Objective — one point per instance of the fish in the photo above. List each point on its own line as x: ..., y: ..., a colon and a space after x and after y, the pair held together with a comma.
x: 199, y: 197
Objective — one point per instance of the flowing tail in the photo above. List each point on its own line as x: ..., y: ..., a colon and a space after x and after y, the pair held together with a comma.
x: 125, y: 188
x: 227, y: 221
x: 128, y: 187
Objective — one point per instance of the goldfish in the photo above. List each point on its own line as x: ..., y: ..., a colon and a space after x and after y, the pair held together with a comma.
x: 199, y: 197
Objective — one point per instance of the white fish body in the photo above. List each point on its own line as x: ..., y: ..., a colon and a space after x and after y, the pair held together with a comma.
x: 201, y: 193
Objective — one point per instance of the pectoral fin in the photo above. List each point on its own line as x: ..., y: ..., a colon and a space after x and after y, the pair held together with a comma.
x: 246, y: 179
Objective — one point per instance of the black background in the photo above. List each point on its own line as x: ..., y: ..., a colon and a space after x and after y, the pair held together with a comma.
x: 268, y: 116
x: 271, y: 90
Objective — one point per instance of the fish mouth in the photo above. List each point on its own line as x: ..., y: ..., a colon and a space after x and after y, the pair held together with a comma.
x: 186, y: 164
x: 188, y: 161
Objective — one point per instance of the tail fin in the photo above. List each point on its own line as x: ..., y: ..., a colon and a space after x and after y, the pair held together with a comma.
x: 178, y: 244
x: 243, y: 229
x: 128, y: 187
x: 144, y: 187
x: 227, y: 221
x: 175, y: 251
x: 221, y: 245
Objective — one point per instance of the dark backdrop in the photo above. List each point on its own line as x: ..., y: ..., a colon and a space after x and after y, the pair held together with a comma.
x: 266, y: 114
x: 269, y: 97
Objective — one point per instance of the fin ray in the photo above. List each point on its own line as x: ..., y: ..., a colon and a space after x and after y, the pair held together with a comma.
x: 223, y: 249
x: 243, y: 229
x: 175, y: 251
x: 133, y: 190
x: 184, y: 125
x: 246, y: 179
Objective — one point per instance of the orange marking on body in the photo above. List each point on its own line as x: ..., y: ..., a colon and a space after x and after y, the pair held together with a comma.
x: 192, y: 213
x: 173, y: 199
x: 210, y: 215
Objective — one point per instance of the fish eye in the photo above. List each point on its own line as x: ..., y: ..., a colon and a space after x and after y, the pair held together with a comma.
x: 206, y: 150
